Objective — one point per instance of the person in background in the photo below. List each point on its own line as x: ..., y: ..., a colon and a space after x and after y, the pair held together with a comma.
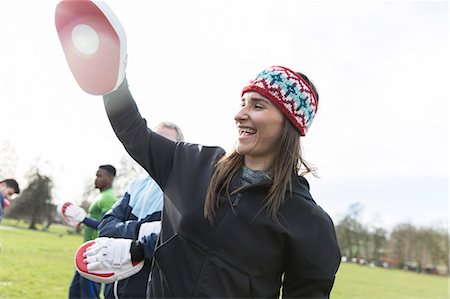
x: 137, y: 216
x: 8, y: 188
x: 74, y: 215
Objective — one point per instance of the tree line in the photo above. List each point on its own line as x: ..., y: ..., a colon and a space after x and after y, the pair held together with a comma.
x: 421, y: 249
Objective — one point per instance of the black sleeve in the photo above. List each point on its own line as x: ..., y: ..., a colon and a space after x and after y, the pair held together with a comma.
x: 152, y: 151
x: 313, y: 256
x: 182, y: 170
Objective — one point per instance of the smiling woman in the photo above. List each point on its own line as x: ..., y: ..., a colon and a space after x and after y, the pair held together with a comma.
x: 269, y: 131
x: 225, y: 216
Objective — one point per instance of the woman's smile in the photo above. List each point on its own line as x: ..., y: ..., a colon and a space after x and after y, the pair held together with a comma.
x: 259, y: 124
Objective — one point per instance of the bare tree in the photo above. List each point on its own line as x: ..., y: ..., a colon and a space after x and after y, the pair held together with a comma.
x: 378, y: 243
x: 128, y: 170
x: 436, y: 245
x: 35, y: 202
x: 402, y: 243
x: 352, y: 235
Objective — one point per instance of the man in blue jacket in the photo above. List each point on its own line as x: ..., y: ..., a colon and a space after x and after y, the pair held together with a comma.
x: 135, y: 217
x: 8, y: 188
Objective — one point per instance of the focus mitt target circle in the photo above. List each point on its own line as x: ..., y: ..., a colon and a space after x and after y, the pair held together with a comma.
x: 94, y: 44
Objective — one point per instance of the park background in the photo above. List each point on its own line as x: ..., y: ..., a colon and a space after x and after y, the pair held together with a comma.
x: 379, y: 141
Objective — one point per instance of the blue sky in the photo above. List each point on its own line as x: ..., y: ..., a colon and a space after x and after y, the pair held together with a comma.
x: 381, y: 68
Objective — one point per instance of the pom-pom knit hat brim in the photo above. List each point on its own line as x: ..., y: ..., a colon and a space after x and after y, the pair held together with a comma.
x: 290, y: 92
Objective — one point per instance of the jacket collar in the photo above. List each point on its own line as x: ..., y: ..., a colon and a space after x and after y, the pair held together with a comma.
x: 299, y: 184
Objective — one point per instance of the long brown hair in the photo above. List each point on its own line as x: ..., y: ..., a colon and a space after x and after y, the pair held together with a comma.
x: 287, y: 160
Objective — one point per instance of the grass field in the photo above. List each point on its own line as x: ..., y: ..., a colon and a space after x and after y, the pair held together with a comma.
x: 36, y: 264
x: 355, y: 282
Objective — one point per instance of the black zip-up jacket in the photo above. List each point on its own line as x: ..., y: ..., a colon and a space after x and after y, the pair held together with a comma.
x: 245, y: 253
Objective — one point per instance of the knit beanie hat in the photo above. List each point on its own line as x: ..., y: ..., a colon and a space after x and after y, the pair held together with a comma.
x: 290, y: 92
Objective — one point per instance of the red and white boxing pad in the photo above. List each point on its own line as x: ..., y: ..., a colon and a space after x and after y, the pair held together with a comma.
x: 107, y: 260
x: 71, y: 213
x: 94, y: 44
x: 61, y: 209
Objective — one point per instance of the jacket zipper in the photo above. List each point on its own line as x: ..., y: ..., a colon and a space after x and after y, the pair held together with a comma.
x: 237, y: 199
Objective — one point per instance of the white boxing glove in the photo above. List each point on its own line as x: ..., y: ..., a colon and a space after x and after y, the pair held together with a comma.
x: 71, y: 213
x: 106, y: 260
x: 148, y: 228
x: 94, y: 43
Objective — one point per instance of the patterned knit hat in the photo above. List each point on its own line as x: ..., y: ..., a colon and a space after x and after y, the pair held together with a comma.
x: 290, y: 92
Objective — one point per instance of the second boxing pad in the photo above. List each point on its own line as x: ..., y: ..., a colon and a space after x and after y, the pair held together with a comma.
x: 94, y: 44
x: 106, y: 260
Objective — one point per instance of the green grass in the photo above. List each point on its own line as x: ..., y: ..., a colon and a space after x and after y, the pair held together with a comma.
x: 37, y: 264
x: 355, y: 282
